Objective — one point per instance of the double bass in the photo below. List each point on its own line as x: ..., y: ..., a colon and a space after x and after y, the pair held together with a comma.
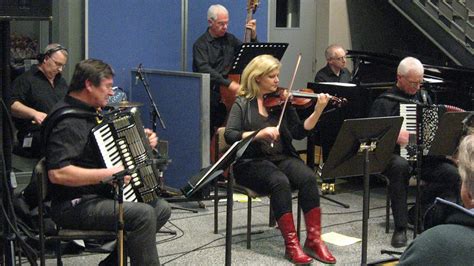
x: 228, y: 96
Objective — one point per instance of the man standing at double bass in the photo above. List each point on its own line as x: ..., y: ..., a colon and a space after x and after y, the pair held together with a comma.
x: 213, y: 53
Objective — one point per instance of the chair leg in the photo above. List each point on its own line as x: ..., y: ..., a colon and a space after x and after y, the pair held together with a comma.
x: 59, y: 261
x: 42, y: 256
x: 216, y: 205
x: 271, y: 217
x: 298, y: 218
x: 249, y: 221
x: 387, y: 211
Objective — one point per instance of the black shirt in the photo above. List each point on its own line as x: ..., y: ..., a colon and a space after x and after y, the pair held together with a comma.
x: 384, y: 106
x: 244, y: 116
x: 215, y: 56
x: 71, y: 143
x: 325, y: 74
x: 33, y: 89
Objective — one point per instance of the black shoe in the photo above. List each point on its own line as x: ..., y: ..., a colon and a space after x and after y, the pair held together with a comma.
x: 399, y: 238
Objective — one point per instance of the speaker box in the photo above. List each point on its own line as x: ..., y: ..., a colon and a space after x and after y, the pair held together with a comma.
x: 17, y: 9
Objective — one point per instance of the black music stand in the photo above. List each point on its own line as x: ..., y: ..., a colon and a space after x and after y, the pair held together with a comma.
x: 363, y: 147
x: 249, y: 51
x: 448, y: 134
x: 226, y: 161
x: 331, y: 121
x: 445, y: 143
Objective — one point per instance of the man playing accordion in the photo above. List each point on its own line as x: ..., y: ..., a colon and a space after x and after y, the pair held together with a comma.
x: 440, y: 174
x: 80, y: 197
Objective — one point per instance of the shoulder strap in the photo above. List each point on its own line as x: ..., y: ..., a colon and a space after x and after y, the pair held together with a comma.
x: 392, y: 96
x: 59, y: 114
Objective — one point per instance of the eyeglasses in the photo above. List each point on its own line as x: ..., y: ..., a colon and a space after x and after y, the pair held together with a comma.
x: 340, y: 58
x: 58, y: 64
x: 414, y: 83
x: 221, y: 23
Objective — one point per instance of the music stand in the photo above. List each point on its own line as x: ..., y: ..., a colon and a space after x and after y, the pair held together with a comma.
x: 249, y: 51
x: 331, y: 121
x: 448, y: 134
x: 445, y: 143
x: 363, y: 147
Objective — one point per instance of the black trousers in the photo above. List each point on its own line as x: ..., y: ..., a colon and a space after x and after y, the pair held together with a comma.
x: 141, y: 221
x: 442, y: 180
x: 218, y: 112
x: 278, y: 179
x: 398, y: 173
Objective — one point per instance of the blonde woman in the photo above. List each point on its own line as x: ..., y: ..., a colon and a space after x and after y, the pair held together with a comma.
x: 271, y: 164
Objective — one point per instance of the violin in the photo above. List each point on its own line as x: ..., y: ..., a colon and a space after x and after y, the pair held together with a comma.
x: 301, y: 99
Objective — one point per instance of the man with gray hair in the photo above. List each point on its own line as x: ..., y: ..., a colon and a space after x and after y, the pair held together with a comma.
x: 34, y: 93
x: 335, y: 69
x: 448, y: 241
x: 213, y: 53
x: 440, y: 173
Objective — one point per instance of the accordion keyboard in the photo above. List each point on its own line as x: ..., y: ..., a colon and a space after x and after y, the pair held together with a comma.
x: 122, y: 142
x: 408, y: 112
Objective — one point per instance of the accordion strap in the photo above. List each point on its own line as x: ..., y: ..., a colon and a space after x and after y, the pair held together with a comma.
x: 395, y: 97
x: 59, y: 114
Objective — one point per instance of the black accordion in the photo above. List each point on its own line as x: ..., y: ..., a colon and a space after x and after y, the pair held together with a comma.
x: 122, y: 142
x: 422, y: 122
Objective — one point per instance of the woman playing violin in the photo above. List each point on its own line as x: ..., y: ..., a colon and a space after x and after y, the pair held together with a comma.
x: 271, y: 164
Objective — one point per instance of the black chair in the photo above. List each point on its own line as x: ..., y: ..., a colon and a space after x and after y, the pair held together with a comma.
x: 220, y: 147
x: 60, y: 234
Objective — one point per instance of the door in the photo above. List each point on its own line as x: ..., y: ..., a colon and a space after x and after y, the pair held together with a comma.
x: 296, y: 21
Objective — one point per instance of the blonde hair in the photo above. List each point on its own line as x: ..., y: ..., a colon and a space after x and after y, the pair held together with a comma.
x: 258, y: 67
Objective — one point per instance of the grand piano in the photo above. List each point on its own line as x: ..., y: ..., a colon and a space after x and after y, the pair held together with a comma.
x: 374, y: 73
x: 451, y: 85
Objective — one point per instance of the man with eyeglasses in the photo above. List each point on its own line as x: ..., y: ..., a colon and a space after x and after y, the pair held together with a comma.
x: 213, y: 53
x: 335, y: 69
x: 440, y: 173
x: 34, y: 93
x: 330, y: 124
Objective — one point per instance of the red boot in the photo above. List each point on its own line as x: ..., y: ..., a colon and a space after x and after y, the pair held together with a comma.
x: 293, y: 250
x: 314, y: 245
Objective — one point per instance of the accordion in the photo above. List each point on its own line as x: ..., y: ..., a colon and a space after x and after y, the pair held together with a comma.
x: 422, y: 124
x: 122, y: 142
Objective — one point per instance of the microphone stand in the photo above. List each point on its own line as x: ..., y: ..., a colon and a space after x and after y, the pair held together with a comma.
x: 154, y: 113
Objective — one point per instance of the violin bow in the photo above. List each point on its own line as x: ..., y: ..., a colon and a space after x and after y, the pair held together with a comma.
x: 298, y: 60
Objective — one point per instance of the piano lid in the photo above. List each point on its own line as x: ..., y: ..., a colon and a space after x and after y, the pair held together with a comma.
x: 372, y: 67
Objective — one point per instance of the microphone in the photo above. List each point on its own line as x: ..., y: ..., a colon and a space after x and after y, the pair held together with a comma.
x: 424, y: 97
x: 138, y: 74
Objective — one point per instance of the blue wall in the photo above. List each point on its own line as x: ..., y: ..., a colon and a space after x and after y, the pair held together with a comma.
x: 126, y: 33
x: 178, y: 98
